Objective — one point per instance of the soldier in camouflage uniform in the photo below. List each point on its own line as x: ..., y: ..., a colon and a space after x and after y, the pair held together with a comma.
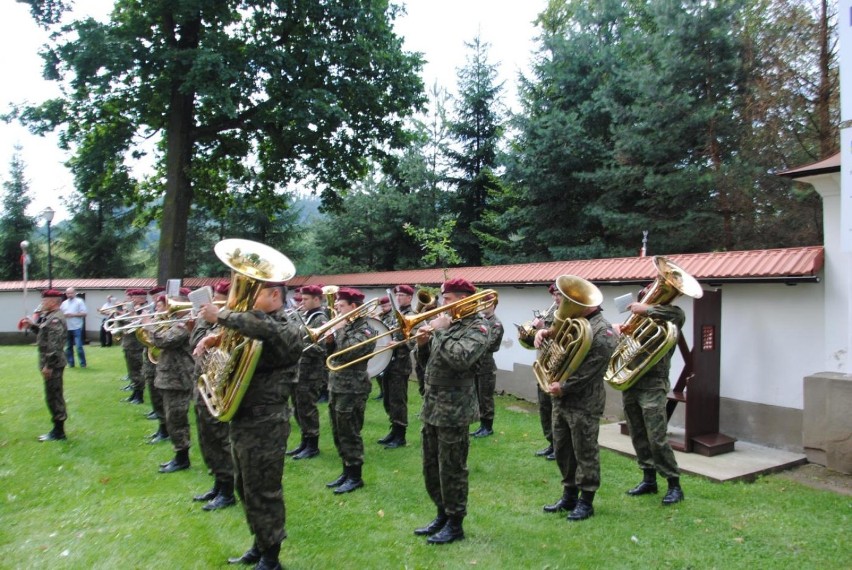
x: 149, y: 374
x: 545, y: 401
x: 486, y: 376
x: 450, y: 351
x: 133, y: 349
x: 51, y: 335
x: 645, y: 412
x: 175, y: 383
x: 578, y: 404
x: 212, y: 434
x: 348, y: 391
x: 261, y: 425
x: 396, y: 375
x: 313, y: 375
x: 387, y: 317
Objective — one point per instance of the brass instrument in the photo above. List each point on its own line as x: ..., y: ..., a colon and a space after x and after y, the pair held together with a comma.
x: 330, y: 291
x: 229, y: 367
x: 645, y: 341
x: 570, y: 338
x: 319, y: 334
x: 129, y: 321
x: 406, y: 323
x: 526, y: 331
x: 423, y: 300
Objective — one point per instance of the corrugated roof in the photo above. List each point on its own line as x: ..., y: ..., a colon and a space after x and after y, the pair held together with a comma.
x: 784, y: 265
x: 830, y: 164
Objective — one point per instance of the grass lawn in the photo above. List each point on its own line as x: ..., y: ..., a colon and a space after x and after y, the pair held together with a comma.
x: 97, y: 500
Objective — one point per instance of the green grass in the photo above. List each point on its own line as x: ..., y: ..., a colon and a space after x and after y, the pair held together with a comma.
x: 97, y: 501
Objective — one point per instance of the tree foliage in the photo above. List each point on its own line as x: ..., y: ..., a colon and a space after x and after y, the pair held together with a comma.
x: 15, y: 225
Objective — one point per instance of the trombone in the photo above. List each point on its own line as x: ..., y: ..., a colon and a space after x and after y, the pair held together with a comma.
x: 134, y: 318
x: 406, y: 323
x: 318, y: 334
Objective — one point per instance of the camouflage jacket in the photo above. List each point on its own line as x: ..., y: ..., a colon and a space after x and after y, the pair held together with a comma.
x: 51, y: 335
x: 584, y: 389
x: 451, y: 360
x: 175, y: 363
x: 315, y: 354
x: 354, y: 379
x: 495, y: 337
x: 401, y: 361
x: 279, y: 359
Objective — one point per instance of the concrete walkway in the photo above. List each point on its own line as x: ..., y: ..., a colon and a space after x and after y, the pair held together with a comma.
x: 745, y: 463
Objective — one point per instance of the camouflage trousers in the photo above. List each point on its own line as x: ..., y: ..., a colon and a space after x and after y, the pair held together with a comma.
x: 214, y: 442
x: 394, y: 385
x: 645, y: 412
x: 485, y: 385
x: 575, y: 442
x: 305, y: 399
x: 54, y: 397
x: 258, y: 445
x: 445, y: 470
x: 545, y: 413
x: 133, y: 361
x: 176, y: 406
x: 149, y: 373
x: 347, y: 420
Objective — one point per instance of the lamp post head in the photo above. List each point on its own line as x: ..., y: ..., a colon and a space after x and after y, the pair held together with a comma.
x: 24, y: 245
x: 47, y: 214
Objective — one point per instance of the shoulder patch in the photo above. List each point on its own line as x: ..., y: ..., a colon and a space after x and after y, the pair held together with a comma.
x: 483, y: 329
x: 368, y: 331
x: 609, y: 332
x: 55, y: 320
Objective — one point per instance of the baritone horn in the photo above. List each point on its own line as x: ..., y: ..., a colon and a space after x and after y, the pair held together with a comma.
x: 645, y: 341
x: 229, y: 367
x: 570, y: 338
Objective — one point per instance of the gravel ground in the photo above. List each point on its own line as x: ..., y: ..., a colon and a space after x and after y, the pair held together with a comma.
x: 819, y: 477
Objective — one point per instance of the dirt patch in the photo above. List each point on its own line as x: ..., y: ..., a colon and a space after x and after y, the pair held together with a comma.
x: 819, y: 477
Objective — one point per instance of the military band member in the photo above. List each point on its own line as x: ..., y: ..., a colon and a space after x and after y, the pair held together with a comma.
x: 486, y: 375
x: 51, y: 336
x: 261, y: 425
x: 174, y: 382
x: 133, y: 348
x: 212, y: 434
x: 385, y: 314
x: 313, y: 376
x: 396, y: 375
x: 645, y: 411
x: 450, y: 351
x: 149, y: 374
x: 578, y: 404
x: 545, y: 402
x: 348, y: 391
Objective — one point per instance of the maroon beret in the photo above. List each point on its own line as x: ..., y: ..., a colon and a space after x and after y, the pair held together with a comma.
x: 154, y: 290
x: 222, y: 287
x: 384, y: 300
x: 136, y: 293
x: 407, y: 289
x: 312, y: 290
x: 297, y: 297
x: 350, y: 295
x: 269, y: 284
x: 458, y: 285
x: 552, y: 288
x: 161, y: 299
x: 52, y: 293
x: 184, y: 291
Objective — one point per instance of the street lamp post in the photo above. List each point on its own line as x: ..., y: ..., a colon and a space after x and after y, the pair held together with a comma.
x: 47, y: 216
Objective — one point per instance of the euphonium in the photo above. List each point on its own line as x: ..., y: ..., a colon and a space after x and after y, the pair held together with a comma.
x: 645, y: 341
x: 228, y: 368
x: 423, y: 301
x: 570, y: 338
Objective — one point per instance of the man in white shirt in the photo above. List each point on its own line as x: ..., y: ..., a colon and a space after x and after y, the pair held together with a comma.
x: 75, y: 311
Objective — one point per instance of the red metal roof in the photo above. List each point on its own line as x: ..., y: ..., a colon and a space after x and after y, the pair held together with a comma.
x: 830, y: 164
x: 788, y: 264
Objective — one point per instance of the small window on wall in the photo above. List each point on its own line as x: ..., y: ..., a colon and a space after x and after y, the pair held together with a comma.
x: 708, y: 338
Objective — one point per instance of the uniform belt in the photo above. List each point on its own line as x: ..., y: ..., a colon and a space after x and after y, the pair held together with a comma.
x: 257, y: 411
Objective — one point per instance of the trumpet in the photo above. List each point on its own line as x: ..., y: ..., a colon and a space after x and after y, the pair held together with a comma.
x: 406, y: 323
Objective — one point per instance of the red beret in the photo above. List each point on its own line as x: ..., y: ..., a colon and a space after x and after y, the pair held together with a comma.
x: 222, y: 287
x: 269, y: 284
x: 350, y: 295
x: 161, y: 299
x: 154, y: 290
x: 184, y: 291
x: 552, y: 288
x: 458, y: 285
x: 297, y: 297
x: 312, y: 290
x: 384, y: 300
x: 136, y: 293
x: 407, y: 289
x: 52, y: 293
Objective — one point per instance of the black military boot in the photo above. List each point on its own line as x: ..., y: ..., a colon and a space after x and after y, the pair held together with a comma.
x: 648, y: 484
x: 437, y: 524
x: 224, y: 498
x: 451, y: 532
x: 545, y: 452
x: 136, y: 397
x: 269, y: 559
x: 385, y: 440
x: 485, y: 429
x: 583, y: 509
x: 179, y: 463
x: 209, y: 495
x: 162, y: 434
x: 56, y: 434
x: 340, y: 479
x: 566, y: 503
x: 311, y: 448
x: 675, y: 493
x: 398, y: 439
x: 299, y: 449
x: 250, y: 556
x: 353, y: 482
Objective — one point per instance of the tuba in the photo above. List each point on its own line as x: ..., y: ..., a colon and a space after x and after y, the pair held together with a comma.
x: 645, y: 341
x: 571, y: 335
x: 229, y: 367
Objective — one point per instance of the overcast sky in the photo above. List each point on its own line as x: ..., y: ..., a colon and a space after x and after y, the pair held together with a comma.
x: 437, y: 28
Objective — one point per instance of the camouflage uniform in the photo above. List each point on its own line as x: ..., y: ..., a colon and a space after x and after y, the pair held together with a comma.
x: 486, y: 376
x: 261, y: 425
x: 394, y: 380
x: 449, y: 407
x: 133, y: 355
x: 645, y: 406
x: 577, y: 413
x: 51, y: 336
x: 313, y: 376
x: 174, y: 379
x: 349, y: 389
x: 545, y: 403
x: 149, y: 374
x: 212, y: 434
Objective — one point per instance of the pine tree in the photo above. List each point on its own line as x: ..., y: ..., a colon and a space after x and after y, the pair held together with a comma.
x: 15, y: 225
